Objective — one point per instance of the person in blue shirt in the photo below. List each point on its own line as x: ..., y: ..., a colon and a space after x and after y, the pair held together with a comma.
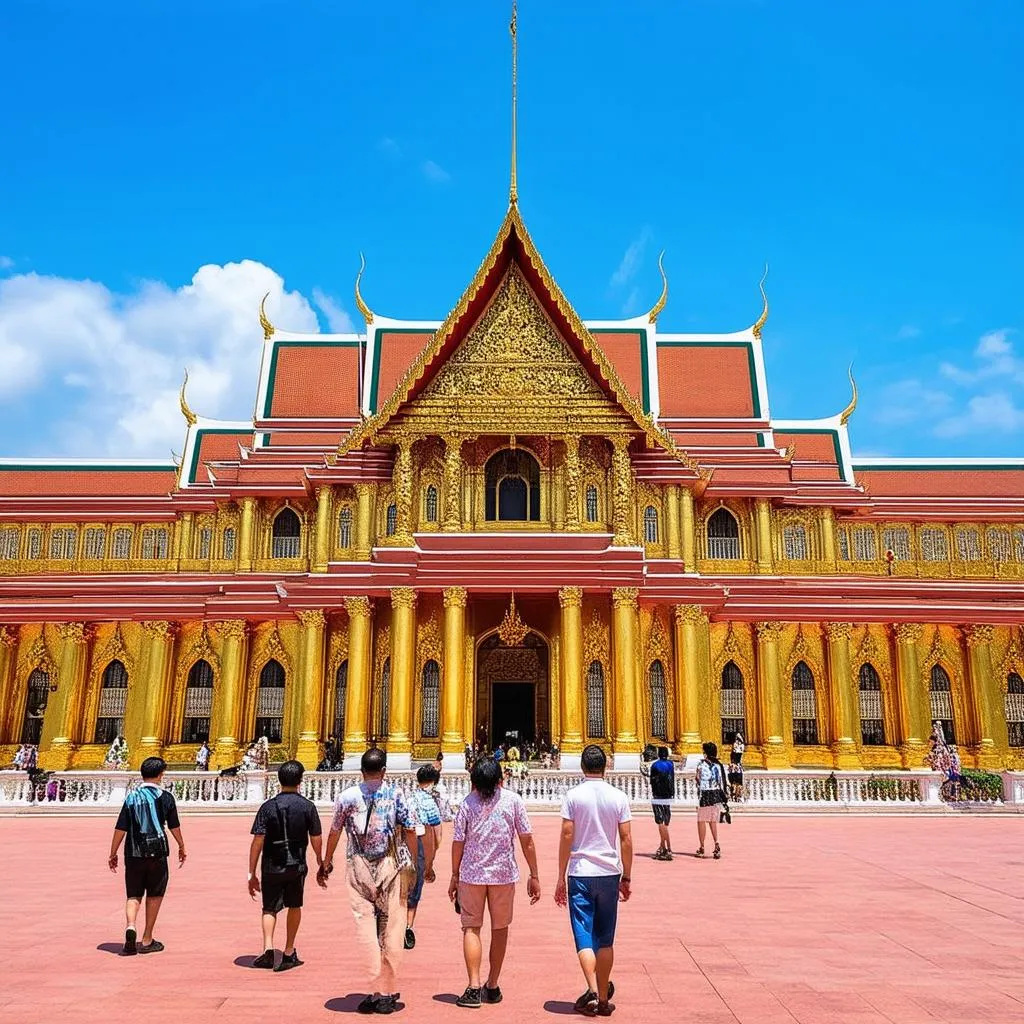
x: 428, y: 815
x: 663, y: 791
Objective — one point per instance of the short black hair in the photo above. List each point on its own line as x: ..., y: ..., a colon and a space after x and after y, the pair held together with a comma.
x: 485, y: 776
x: 290, y: 773
x: 663, y: 753
x: 153, y: 767
x: 710, y: 751
x: 593, y: 760
x: 373, y: 762
x: 440, y: 756
x: 427, y: 773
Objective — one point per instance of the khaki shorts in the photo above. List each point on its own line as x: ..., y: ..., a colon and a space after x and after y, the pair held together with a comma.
x: 499, y: 900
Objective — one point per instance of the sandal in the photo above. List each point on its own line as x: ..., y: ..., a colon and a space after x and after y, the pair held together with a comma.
x: 718, y: 852
x: 700, y: 852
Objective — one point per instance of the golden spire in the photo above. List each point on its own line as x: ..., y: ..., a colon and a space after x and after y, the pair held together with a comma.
x: 513, y: 192
x: 845, y: 415
x: 360, y: 305
x: 190, y: 417
x: 512, y: 631
x: 663, y: 298
x: 268, y: 327
x: 763, y: 318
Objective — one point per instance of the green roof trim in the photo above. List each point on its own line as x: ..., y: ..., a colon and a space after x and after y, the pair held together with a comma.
x: 200, y: 434
x: 817, y: 430
x: 278, y: 345
x: 755, y: 400
x: 645, y: 380
x: 375, y: 377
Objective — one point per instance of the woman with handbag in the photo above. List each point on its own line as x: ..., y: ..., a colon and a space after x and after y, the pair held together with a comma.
x: 711, y: 795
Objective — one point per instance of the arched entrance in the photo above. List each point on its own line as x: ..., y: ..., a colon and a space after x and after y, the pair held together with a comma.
x: 513, y: 697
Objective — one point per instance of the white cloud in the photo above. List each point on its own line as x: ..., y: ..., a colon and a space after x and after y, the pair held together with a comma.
x: 104, y: 368
x: 994, y: 357
x: 631, y: 258
x: 984, y: 414
x: 435, y: 172
x: 908, y: 332
x: 994, y: 344
x: 909, y: 400
x: 338, y: 321
x: 6, y: 263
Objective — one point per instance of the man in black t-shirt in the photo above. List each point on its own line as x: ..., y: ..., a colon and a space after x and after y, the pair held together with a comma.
x: 282, y: 829
x: 146, y: 815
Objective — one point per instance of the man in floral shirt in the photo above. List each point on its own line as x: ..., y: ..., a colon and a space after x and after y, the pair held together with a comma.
x: 382, y: 831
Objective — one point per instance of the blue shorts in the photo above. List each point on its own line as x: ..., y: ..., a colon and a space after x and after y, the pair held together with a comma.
x: 593, y: 910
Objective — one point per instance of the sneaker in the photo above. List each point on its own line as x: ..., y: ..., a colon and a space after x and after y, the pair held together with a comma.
x: 265, y: 960
x: 388, y: 1004
x: 131, y: 946
x: 469, y: 998
x: 492, y: 995
x: 410, y: 939
x: 667, y: 855
x: 369, y: 1004
x: 586, y: 1002
x: 153, y: 947
x: 605, y: 1009
x: 288, y: 961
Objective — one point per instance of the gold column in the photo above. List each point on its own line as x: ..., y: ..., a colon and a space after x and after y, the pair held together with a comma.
x: 324, y: 531
x: 452, y: 736
x: 155, y: 689
x: 55, y: 745
x: 185, y: 537
x: 357, y: 695
x: 10, y: 729
x: 364, y: 522
x: 571, y: 601
x: 828, y: 538
x: 768, y: 634
x: 622, y: 493
x: 572, y: 482
x: 227, y: 704
x: 673, y: 544
x: 985, y: 693
x: 842, y: 719
x: 624, y: 629
x: 691, y: 634
x: 247, y: 535
x: 765, y: 562
x: 451, y: 521
x: 403, y: 664
x: 688, y: 530
x: 915, y: 715
x: 310, y: 692
x: 401, y: 478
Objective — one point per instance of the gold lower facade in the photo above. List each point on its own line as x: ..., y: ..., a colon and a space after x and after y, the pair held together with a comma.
x: 420, y: 671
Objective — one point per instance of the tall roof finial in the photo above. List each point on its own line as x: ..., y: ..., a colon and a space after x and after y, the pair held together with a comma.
x: 360, y: 304
x: 268, y: 327
x: 663, y: 298
x: 845, y: 415
x: 763, y: 318
x: 190, y: 416
x: 513, y: 192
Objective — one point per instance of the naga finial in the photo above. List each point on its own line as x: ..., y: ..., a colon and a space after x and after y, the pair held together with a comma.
x: 845, y: 415
x: 190, y: 417
x: 268, y: 327
x: 360, y: 304
x: 763, y: 318
x: 663, y: 298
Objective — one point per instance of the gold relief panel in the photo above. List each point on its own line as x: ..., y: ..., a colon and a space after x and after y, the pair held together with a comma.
x: 429, y: 642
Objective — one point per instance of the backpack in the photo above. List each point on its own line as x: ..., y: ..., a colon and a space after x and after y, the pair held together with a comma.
x: 289, y: 862
x: 149, y: 840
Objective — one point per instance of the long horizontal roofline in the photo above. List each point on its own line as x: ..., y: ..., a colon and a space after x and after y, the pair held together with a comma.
x: 936, y: 463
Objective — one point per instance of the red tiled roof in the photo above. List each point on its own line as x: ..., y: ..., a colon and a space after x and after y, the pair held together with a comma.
x: 86, y: 481
x: 705, y: 380
x: 315, y: 379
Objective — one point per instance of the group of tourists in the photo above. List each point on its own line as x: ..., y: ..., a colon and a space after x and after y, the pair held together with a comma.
x: 943, y: 756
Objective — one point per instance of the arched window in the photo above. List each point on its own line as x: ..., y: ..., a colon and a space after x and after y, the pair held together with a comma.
x: 95, y: 546
x: 723, y: 535
x: 391, y: 520
x: 651, y: 525
x: 864, y: 547
x: 345, y: 528
x: 934, y: 547
x: 154, y: 543
x: 227, y: 543
x: 270, y: 702
x: 733, y: 706
x: 286, y: 535
x: 591, y: 503
x: 794, y: 542
x: 659, y: 703
x: 968, y: 545
x: 10, y: 541
x: 512, y: 483
x: 63, y: 542
x: 872, y: 721
x: 998, y: 540
x: 384, y: 703
x: 805, y: 706
x: 205, y: 543
x: 35, y: 706
x: 1014, y: 702
x: 431, y: 702
x: 843, y: 541
x: 195, y: 725
x: 113, y: 695
x: 340, y: 698
x: 34, y: 546
x: 897, y: 540
x: 430, y: 504
x: 941, y: 694
x: 595, y: 700
x: 121, y: 548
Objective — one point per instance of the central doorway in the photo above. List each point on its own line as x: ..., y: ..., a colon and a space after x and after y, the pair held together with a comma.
x: 512, y: 691
x: 513, y: 718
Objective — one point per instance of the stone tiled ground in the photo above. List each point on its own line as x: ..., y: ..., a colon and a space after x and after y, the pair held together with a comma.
x: 814, y: 920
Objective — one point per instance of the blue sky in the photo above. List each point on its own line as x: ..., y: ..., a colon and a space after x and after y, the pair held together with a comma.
x: 872, y: 152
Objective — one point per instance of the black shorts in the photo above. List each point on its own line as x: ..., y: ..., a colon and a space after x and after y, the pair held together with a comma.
x: 145, y: 876
x: 662, y: 814
x: 280, y: 892
x: 735, y: 757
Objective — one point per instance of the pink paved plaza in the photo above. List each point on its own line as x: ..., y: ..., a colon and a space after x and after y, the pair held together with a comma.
x: 809, y: 919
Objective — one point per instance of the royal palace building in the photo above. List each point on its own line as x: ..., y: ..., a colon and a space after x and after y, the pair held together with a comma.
x: 517, y: 523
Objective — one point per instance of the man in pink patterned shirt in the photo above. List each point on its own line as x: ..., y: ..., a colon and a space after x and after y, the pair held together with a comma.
x: 484, y: 871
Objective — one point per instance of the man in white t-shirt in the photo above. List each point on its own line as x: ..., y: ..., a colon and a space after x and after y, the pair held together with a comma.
x: 596, y: 851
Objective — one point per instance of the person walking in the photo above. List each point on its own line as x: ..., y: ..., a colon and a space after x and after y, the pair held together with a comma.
x: 711, y: 794
x: 146, y: 816
x: 484, y: 871
x: 425, y: 805
x: 283, y: 828
x: 381, y: 850
x: 663, y: 790
x: 203, y: 757
x: 595, y: 859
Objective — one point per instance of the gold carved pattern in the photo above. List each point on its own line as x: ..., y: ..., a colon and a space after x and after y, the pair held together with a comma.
x: 403, y: 597
x: 839, y: 630
x: 570, y: 597
x: 428, y: 641
x: 72, y: 632
x: 232, y: 629
x: 908, y: 632
x: 572, y: 483
x: 160, y: 630
x: 358, y: 607
x: 979, y: 635
x: 455, y: 597
x: 625, y: 597
x: 8, y: 637
x: 512, y: 630
x: 402, y: 482
x: 596, y: 640
x: 452, y: 518
x: 313, y: 618
x: 690, y: 613
x: 769, y: 632
x: 658, y: 643
x: 622, y: 492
